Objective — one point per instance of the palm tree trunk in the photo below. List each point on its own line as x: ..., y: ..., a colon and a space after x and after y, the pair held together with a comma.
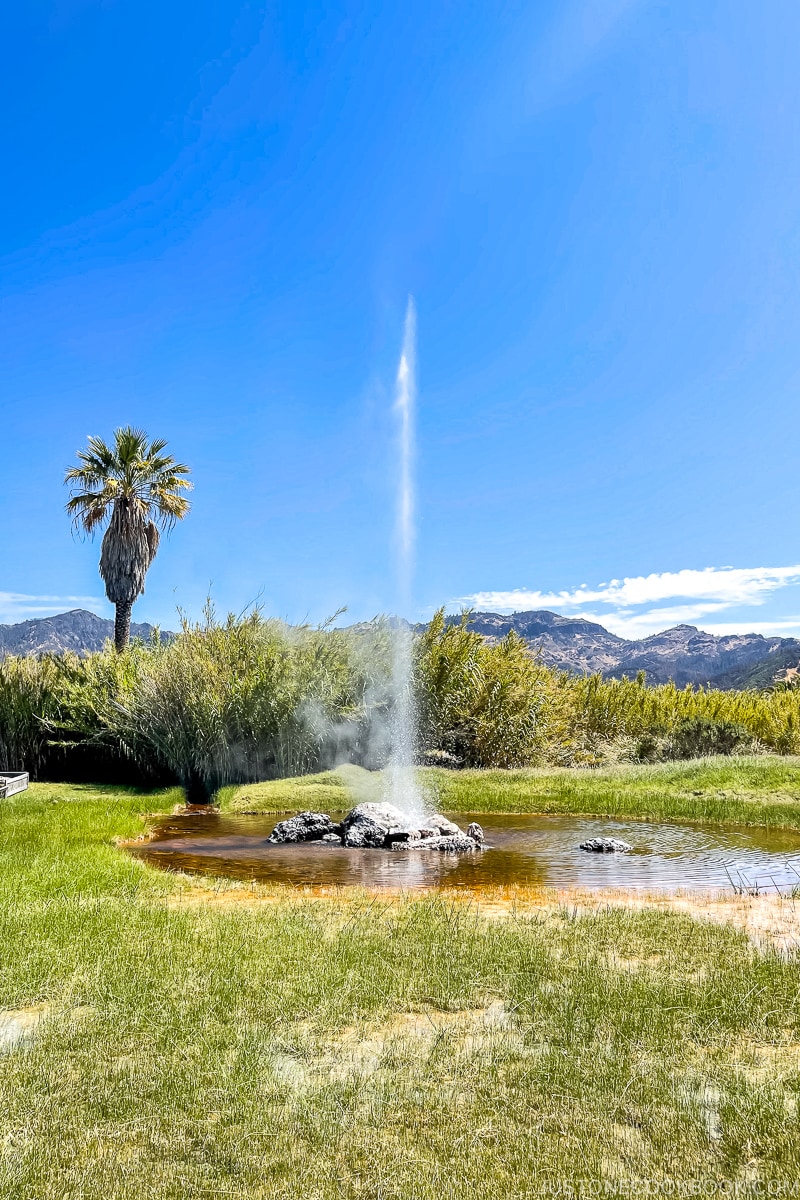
x: 122, y: 625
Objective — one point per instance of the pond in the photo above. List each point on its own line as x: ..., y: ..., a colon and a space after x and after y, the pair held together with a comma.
x: 522, y: 849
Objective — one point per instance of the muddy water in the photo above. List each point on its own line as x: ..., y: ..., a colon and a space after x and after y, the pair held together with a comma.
x: 522, y: 849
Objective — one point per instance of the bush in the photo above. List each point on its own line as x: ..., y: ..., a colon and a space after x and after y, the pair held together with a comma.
x: 698, y: 737
x: 248, y: 699
x: 482, y: 703
x: 235, y: 702
x: 29, y: 704
x: 649, y: 748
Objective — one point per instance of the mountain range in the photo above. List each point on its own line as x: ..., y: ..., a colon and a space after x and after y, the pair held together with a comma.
x: 80, y: 631
x: 683, y: 653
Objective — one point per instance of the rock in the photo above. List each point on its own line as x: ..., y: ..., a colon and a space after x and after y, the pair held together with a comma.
x: 368, y: 825
x: 402, y: 835
x: 457, y: 843
x: 606, y: 846
x: 442, y: 825
x: 441, y: 758
x: 305, y: 827
x: 365, y: 834
x: 379, y: 826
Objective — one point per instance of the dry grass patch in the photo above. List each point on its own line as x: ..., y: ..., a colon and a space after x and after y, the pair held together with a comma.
x: 402, y: 1040
x: 770, y: 920
x: 18, y: 1025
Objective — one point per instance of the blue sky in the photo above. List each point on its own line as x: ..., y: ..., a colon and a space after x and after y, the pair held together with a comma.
x: 210, y: 224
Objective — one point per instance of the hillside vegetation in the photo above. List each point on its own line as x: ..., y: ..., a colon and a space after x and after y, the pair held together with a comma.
x: 247, y: 699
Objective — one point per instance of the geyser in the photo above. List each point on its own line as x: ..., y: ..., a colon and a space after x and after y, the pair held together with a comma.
x: 402, y: 789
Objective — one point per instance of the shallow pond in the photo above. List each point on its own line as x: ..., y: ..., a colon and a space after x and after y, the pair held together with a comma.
x: 522, y: 849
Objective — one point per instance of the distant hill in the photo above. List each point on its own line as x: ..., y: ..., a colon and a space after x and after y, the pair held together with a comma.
x: 684, y: 654
x: 780, y: 664
x: 80, y: 631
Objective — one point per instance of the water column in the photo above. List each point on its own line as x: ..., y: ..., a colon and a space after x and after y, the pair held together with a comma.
x: 402, y: 788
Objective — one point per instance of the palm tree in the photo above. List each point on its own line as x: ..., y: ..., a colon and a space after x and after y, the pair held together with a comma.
x: 137, y: 489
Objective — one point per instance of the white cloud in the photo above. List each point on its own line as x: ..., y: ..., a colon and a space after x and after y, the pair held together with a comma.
x: 728, y: 585
x: 631, y: 624
x: 17, y: 606
x: 635, y: 625
x: 635, y: 605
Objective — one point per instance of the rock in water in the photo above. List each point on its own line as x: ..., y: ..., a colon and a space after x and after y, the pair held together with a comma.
x: 457, y: 843
x: 606, y: 846
x: 373, y: 825
x: 305, y: 827
x: 442, y: 825
x: 379, y: 826
x: 406, y: 836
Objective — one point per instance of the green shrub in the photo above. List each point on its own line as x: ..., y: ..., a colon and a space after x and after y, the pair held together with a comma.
x: 246, y: 699
x: 648, y: 748
x: 698, y: 737
x: 481, y: 702
x: 232, y: 702
x: 29, y: 703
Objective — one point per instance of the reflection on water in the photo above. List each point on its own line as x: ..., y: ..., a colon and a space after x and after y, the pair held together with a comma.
x: 523, y: 849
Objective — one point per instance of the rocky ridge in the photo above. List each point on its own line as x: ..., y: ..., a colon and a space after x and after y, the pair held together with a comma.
x: 78, y: 631
x: 683, y: 654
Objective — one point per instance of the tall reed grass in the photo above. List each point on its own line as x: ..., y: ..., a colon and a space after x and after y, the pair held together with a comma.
x: 483, y: 703
x: 30, y: 702
x: 247, y: 698
x: 238, y: 700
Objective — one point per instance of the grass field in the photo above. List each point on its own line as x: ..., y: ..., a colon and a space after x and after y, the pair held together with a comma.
x: 395, y: 1050
x: 763, y: 790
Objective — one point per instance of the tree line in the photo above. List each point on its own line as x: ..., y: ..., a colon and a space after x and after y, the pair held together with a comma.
x: 248, y: 698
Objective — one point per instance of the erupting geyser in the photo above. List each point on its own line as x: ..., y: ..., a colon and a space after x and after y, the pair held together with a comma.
x: 400, y: 822
x: 401, y: 786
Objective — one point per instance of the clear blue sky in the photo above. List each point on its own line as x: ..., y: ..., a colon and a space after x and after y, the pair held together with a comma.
x: 211, y: 219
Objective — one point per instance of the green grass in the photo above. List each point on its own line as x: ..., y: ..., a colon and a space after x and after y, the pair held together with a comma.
x: 763, y: 790
x: 203, y: 1051
x: 58, y: 840
x: 329, y: 791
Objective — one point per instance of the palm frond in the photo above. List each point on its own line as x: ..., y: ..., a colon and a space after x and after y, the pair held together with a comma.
x: 135, y: 487
x: 130, y: 445
x: 153, y: 538
x: 90, y: 509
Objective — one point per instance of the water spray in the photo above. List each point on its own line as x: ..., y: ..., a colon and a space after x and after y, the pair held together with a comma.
x: 402, y: 787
